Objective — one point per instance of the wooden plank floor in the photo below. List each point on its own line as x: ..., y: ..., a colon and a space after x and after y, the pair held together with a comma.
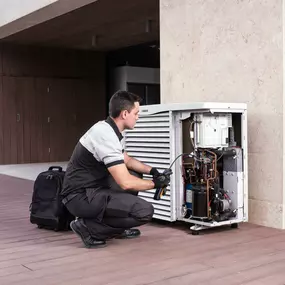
x: 164, y: 254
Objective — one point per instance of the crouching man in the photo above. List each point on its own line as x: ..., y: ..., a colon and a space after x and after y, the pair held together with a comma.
x: 98, y: 183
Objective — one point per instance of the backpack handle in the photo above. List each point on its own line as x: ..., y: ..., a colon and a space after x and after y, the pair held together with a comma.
x: 59, y: 168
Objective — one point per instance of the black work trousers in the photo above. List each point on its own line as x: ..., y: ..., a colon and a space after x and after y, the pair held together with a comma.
x: 109, y: 212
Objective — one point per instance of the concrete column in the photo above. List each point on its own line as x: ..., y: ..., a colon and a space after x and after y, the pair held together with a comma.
x: 231, y: 51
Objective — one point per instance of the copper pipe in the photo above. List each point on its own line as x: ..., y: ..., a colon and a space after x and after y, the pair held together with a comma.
x: 214, y: 163
x: 208, y: 190
x: 213, y: 177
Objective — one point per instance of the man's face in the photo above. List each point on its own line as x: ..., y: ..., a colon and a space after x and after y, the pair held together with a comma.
x: 132, y: 116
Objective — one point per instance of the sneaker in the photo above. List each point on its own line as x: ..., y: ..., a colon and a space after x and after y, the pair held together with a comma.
x: 79, y: 228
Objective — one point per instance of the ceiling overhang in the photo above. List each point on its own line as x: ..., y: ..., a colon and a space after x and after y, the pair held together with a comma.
x: 91, y: 25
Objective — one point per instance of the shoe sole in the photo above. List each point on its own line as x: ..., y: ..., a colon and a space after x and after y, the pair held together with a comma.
x: 87, y: 245
x: 122, y: 237
x: 127, y: 237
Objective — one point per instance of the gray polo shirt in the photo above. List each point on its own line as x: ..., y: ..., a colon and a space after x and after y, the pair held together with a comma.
x: 99, y: 148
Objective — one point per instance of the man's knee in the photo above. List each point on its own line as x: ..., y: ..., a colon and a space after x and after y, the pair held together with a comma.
x: 150, y: 212
x: 143, y: 211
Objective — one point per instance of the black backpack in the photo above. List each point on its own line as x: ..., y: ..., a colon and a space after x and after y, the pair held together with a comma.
x: 47, y: 210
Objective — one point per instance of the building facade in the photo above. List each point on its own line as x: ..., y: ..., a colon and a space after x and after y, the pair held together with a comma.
x: 55, y: 66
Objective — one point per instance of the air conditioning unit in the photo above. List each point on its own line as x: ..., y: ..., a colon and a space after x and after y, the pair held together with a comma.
x: 205, y: 145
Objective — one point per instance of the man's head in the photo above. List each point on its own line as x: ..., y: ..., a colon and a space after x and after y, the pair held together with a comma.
x: 124, y: 106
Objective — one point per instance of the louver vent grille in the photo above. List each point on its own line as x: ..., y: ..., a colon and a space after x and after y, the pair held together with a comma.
x: 150, y: 142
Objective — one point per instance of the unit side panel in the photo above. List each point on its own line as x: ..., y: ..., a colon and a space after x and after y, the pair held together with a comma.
x: 150, y: 142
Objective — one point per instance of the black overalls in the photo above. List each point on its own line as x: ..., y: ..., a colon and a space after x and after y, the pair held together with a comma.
x: 90, y: 191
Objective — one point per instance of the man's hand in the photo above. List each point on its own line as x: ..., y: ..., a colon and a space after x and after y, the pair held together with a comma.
x: 161, y: 181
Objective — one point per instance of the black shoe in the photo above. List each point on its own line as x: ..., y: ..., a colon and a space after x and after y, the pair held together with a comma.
x: 130, y: 233
x: 79, y: 228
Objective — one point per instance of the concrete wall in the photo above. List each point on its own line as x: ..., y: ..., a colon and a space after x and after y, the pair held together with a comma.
x: 232, y: 51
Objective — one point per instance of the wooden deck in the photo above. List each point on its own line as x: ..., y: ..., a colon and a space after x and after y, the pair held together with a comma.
x: 163, y: 255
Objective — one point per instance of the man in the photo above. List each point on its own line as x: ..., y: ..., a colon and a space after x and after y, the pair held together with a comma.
x: 98, y: 182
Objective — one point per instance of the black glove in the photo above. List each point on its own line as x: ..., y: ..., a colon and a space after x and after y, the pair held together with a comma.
x: 167, y: 172
x: 161, y: 181
x: 154, y: 172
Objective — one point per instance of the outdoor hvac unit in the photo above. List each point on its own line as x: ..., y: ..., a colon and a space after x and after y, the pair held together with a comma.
x: 205, y: 145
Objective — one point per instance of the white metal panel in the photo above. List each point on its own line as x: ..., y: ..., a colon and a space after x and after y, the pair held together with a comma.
x: 151, y: 143
x: 244, y: 133
x: 194, y: 106
x: 212, y: 130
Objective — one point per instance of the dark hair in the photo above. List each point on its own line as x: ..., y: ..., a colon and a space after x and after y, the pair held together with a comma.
x: 122, y: 100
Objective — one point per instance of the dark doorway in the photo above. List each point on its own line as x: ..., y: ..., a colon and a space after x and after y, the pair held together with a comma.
x: 150, y: 93
x: 145, y: 55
